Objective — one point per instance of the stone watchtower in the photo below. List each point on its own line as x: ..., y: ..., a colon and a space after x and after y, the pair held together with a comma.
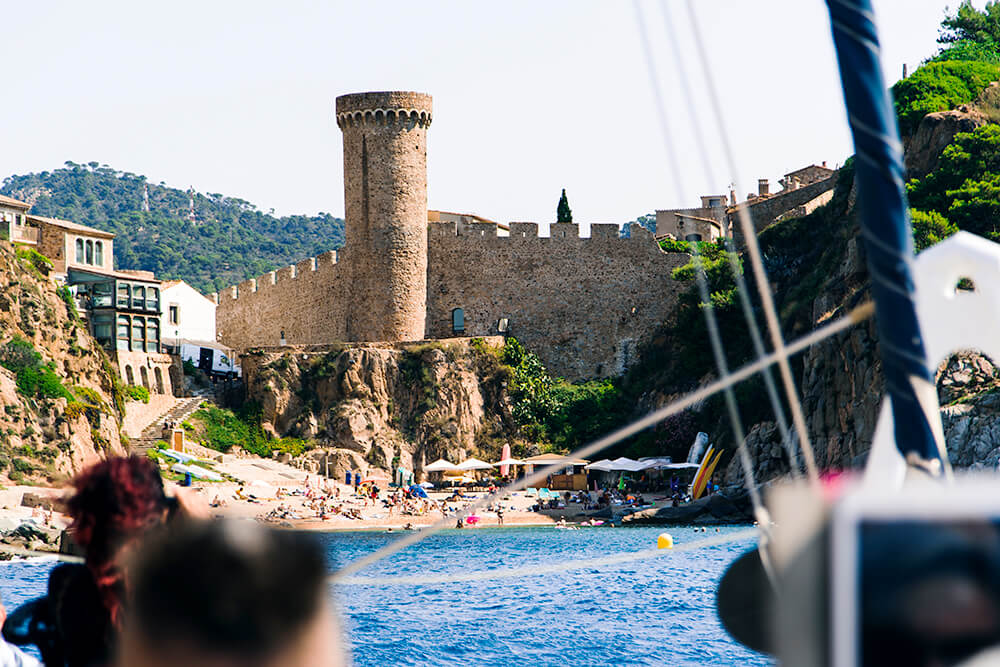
x: 385, y: 200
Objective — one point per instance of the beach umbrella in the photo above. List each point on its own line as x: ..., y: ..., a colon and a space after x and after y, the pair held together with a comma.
x: 474, y: 464
x: 604, y: 465
x: 440, y: 465
x: 504, y: 455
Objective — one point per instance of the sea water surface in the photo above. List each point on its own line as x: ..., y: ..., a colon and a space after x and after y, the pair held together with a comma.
x: 652, y: 611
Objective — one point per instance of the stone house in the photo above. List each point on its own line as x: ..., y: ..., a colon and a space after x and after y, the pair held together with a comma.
x: 14, y: 225
x: 71, y: 245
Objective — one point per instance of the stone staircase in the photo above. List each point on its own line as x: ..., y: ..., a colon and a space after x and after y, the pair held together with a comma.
x: 181, y: 411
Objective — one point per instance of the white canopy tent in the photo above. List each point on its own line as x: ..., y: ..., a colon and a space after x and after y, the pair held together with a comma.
x: 604, y: 465
x: 474, y: 464
x: 440, y: 465
x: 626, y: 464
x: 508, y: 462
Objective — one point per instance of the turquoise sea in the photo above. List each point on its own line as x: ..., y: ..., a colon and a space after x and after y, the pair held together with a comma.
x: 655, y: 611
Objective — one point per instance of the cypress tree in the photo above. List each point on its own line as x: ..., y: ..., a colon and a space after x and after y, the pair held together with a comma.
x: 563, y: 213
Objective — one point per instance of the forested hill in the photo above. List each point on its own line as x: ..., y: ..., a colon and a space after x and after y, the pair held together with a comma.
x: 228, y: 242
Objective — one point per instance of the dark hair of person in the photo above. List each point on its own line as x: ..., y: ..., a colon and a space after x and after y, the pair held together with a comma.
x: 232, y: 588
x: 113, y: 502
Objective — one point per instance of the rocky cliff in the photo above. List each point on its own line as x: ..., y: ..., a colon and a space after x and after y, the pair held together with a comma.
x: 58, y: 406
x: 365, y: 405
x: 936, y: 130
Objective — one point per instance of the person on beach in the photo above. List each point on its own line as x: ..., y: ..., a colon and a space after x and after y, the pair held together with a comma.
x: 499, y: 515
x: 227, y: 593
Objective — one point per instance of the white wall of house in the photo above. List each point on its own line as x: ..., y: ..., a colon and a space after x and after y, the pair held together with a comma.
x: 187, y: 314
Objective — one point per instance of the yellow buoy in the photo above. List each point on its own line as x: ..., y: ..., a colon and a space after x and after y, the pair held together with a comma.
x: 665, y: 541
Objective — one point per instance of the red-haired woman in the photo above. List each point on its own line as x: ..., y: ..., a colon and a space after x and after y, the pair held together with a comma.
x: 114, y: 505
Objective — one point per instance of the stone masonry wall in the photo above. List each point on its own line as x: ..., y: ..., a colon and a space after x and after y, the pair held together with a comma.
x: 385, y: 199
x: 767, y: 211
x: 584, y: 305
x: 308, y: 301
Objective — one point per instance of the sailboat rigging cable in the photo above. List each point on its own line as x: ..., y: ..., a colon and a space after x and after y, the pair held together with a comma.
x: 734, y: 265
x: 753, y: 250
x: 711, y: 321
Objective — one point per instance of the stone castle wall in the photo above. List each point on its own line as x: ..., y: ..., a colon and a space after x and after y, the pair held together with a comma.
x: 308, y: 301
x: 584, y: 305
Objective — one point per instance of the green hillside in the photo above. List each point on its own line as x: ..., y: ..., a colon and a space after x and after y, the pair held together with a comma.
x: 229, y: 241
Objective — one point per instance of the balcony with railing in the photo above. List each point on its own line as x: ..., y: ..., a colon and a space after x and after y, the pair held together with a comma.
x: 24, y: 234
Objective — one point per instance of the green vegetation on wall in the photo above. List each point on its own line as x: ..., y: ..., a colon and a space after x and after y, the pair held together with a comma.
x: 136, y: 393
x: 39, y: 264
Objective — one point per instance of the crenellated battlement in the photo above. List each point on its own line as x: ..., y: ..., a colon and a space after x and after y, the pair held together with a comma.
x: 385, y: 109
x: 320, y: 266
x: 584, y: 304
x: 521, y: 231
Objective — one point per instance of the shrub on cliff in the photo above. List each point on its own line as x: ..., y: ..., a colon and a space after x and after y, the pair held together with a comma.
x: 39, y: 263
x: 34, y: 378
x: 223, y: 429
x: 939, y: 86
x: 929, y: 227
x: 965, y: 187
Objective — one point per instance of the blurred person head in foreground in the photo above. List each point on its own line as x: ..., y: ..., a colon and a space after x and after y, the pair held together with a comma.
x: 114, y: 505
x: 228, y: 593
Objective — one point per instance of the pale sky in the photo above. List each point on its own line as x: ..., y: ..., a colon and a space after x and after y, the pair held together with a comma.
x: 529, y: 97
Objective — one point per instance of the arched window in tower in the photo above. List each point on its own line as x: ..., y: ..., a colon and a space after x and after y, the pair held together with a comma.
x: 79, y: 251
x: 458, y: 321
x: 144, y: 374
x: 99, y: 253
x: 90, y: 252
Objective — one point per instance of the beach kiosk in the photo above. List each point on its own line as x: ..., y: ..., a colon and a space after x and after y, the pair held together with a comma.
x: 571, y: 477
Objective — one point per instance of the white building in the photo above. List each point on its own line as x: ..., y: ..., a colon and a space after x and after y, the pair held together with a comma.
x: 188, y: 326
x: 187, y: 314
x: 14, y: 221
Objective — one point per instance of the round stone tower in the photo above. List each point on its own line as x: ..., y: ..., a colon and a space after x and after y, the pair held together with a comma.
x: 385, y: 197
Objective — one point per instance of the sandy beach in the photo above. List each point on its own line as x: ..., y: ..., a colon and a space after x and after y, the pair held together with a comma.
x: 273, y: 492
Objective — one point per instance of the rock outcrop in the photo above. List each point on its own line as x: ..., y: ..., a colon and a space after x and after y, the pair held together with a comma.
x: 365, y: 405
x: 935, y: 132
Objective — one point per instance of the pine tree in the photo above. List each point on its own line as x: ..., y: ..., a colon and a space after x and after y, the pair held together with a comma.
x: 563, y: 212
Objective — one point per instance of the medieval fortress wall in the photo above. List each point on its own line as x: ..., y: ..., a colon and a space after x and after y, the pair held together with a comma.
x: 584, y: 305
